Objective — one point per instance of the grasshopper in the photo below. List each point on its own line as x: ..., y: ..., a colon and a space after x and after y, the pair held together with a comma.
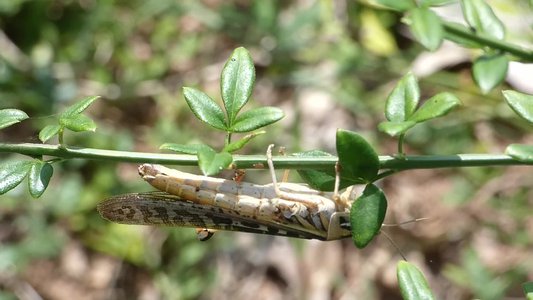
x: 188, y: 200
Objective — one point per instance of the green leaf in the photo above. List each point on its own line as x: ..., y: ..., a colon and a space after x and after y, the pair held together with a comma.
x: 357, y: 159
x: 437, y: 106
x: 211, y: 163
x: 427, y: 28
x: 237, y: 82
x: 520, y: 152
x: 528, y: 290
x: 321, y: 180
x: 480, y: 16
x: 78, y: 107
x: 489, y: 71
x: 399, y: 5
x: 78, y: 123
x: 395, y: 128
x: 39, y: 177
x: 12, y: 173
x: 180, y: 148
x: 367, y: 215
x: 11, y: 116
x: 427, y: 3
x: 413, y: 284
x: 235, y: 146
x: 205, y: 108
x: 522, y: 104
x: 48, y: 132
x: 403, y: 99
x: 256, y: 118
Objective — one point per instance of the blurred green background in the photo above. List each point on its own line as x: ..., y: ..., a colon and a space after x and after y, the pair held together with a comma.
x: 328, y: 65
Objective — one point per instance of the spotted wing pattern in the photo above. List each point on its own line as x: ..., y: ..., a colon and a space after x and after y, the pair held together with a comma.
x: 161, y: 208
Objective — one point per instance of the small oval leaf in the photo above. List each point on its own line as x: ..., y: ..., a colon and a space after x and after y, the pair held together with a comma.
x: 12, y: 173
x: 211, y: 163
x: 186, y: 149
x: 321, y: 180
x: 427, y: 28
x: 256, y: 118
x: 39, y: 177
x: 520, y: 152
x: 528, y: 290
x: 357, y: 158
x: 395, y: 128
x: 367, y: 214
x: 489, y: 71
x: 436, y: 106
x: 11, y: 116
x: 48, y: 132
x: 78, y: 107
x: 402, y: 101
x: 413, y: 284
x: 399, y: 5
x: 427, y: 3
x: 78, y: 123
x: 480, y: 16
x: 521, y: 103
x: 237, y: 82
x: 235, y: 146
x: 205, y: 108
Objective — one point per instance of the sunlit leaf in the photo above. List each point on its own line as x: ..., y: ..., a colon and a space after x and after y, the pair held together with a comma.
x: 395, y: 128
x: 520, y: 152
x: 186, y: 149
x: 427, y: 3
x: 204, y: 108
x: 78, y: 107
x: 48, y: 132
x: 376, y: 35
x: 399, y: 5
x: 489, y: 71
x: 367, y: 214
x: 413, y: 284
x: 357, y: 159
x: 256, y: 118
x: 528, y: 290
x: 237, y: 82
x: 521, y: 103
x: 211, y: 163
x: 237, y: 145
x: 39, y: 177
x: 480, y: 16
x: 427, y: 28
x: 78, y: 123
x: 9, y: 117
x: 437, y: 106
x: 12, y: 173
x: 402, y: 101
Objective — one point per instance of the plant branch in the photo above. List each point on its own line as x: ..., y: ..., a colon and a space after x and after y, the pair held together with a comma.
x: 463, y: 32
x: 386, y: 162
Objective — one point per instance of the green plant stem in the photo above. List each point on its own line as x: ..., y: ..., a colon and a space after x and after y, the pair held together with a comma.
x: 259, y: 161
x: 463, y: 32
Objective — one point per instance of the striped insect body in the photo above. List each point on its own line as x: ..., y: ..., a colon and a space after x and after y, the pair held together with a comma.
x: 189, y: 200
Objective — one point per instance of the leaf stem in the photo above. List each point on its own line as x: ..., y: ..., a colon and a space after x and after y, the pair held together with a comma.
x: 400, y: 145
x: 386, y: 162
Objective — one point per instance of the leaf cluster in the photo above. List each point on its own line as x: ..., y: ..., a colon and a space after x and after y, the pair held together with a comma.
x: 236, y: 86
